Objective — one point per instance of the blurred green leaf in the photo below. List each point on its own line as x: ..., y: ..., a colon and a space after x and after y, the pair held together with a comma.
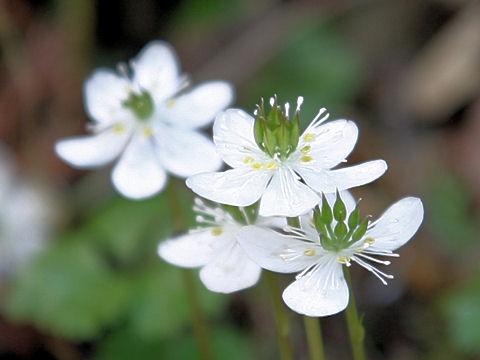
x: 124, y: 344
x: 160, y: 305
x: 193, y: 14
x: 317, y: 65
x: 68, y: 290
x: 448, y: 207
x: 462, y: 312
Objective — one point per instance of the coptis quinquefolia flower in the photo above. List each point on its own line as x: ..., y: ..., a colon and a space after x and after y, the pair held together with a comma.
x: 333, y: 237
x: 147, y: 120
x: 214, y: 247
x: 271, y: 161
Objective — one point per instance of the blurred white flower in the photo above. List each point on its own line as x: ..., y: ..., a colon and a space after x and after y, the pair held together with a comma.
x: 320, y: 288
x: 287, y: 179
x: 225, y: 266
x: 147, y: 121
x: 25, y: 217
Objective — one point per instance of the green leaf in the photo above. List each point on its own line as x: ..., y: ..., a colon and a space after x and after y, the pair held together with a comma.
x: 69, y: 291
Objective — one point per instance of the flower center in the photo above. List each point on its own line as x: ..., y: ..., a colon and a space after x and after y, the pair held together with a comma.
x: 274, y: 133
x: 141, y: 104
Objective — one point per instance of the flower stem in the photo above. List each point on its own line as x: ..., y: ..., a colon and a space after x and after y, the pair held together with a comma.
x: 314, y: 337
x: 354, y: 323
x: 281, y: 317
x: 198, y: 319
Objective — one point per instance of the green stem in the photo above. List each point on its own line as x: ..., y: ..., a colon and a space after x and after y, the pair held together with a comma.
x: 314, y: 337
x: 198, y: 319
x: 354, y: 323
x: 281, y: 317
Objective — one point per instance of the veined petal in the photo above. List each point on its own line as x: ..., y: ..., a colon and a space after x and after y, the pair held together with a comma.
x: 195, y: 249
x: 329, y: 143
x: 234, y: 138
x: 89, y: 151
x: 397, y: 225
x: 238, y: 187
x: 104, y: 92
x: 287, y: 196
x: 274, y: 251
x: 329, y: 181
x: 185, y: 152
x: 230, y: 271
x: 323, y: 292
x: 138, y: 174
x: 198, y: 106
x: 157, y: 70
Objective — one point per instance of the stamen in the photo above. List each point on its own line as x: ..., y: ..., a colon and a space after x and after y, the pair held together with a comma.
x: 316, y: 119
x: 299, y: 102
x: 306, y: 158
x: 148, y: 131
x: 309, y: 252
x: 306, y: 149
x: 309, y: 137
x: 216, y: 231
x: 271, y: 165
x: 258, y: 166
x: 287, y: 109
x: 248, y: 160
x: 118, y: 128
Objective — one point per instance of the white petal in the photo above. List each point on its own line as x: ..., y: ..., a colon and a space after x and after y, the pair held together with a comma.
x: 234, y: 138
x: 331, y: 144
x: 329, y: 181
x: 138, y: 174
x: 238, y: 187
x: 231, y: 271
x: 323, y: 293
x: 199, y: 106
x: 286, y: 196
x: 397, y: 225
x: 195, y: 249
x: 91, y: 151
x: 157, y: 70
x: 274, y: 251
x: 185, y: 152
x: 104, y: 92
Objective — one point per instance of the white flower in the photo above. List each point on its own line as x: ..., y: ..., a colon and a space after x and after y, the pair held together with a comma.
x: 25, y: 218
x: 146, y: 122
x: 320, y: 288
x: 289, y: 186
x: 225, y: 266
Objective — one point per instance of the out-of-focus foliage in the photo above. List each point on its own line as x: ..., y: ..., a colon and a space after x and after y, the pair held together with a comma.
x: 461, y: 309
x: 450, y: 213
x: 107, y: 273
x: 317, y: 65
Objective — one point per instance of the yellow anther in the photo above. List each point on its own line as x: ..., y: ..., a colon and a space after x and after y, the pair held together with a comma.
x: 217, y: 231
x: 170, y: 103
x: 258, y: 166
x: 118, y: 128
x: 309, y: 252
x: 344, y: 260
x: 309, y: 137
x: 359, y: 251
x: 148, y: 131
x: 271, y: 165
x: 248, y: 160
x: 306, y: 149
x: 369, y: 240
x: 306, y: 158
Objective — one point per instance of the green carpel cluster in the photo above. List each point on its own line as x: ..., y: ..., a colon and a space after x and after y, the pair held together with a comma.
x: 275, y: 134
x: 345, y: 232
x: 141, y: 104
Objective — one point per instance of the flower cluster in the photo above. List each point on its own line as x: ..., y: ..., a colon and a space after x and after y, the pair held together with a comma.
x: 276, y: 207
